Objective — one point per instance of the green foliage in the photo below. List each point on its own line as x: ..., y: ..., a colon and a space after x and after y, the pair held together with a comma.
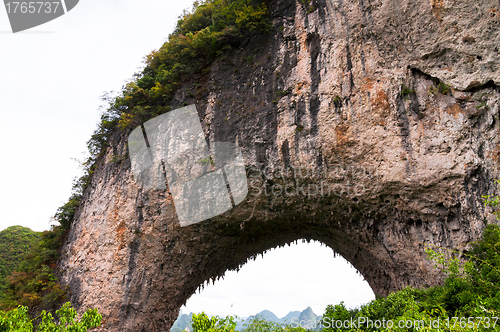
x: 68, y: 321
x: 33, y: 283
x: 444, y: 89
x: 15, y: 242
x: 258, y: 324
x: 484, y: 274
x: 482, y: 105
x: 118, y: 159
x: 65, y: 213
x: 493, y: 201
x: 445, y: 260
x: 337, y: 101
x: 252, y: 18
x: 335, y: 313
x: 181, y: 323
x: 406, y: 92
x: 282, y: 93
x: 441, y: 88
x: 213, y: 27
x: 207, y: 160
x: 18, y: 320
x: 202, y: 323
x: 394, y: 306
x: 307, y: 3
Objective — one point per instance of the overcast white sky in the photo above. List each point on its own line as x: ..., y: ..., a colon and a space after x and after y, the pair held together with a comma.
x: 51, y: 80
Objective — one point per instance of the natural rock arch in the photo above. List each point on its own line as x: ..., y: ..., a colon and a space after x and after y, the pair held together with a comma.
x: 411, y: 164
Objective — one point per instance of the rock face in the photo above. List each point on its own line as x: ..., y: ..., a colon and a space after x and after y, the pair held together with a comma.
x: 369, y: 125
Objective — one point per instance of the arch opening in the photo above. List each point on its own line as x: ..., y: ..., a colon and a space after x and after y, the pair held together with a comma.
x: 280, y: 283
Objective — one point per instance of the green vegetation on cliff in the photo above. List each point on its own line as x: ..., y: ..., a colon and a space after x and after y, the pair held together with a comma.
x: 212, y: 28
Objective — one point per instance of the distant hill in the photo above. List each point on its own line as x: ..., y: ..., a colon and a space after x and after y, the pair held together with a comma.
x: 263, y: 315
x: 182, y: 322
x: 308, y: 319
x: 289, y: 317
x: 15, y: 242
x: 308, y: 316
x: 268, y: 315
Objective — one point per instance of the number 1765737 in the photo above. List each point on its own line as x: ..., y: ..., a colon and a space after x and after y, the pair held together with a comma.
x: 32, y: 7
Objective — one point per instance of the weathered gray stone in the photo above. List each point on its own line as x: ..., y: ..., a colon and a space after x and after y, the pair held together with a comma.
x: 325, y: 93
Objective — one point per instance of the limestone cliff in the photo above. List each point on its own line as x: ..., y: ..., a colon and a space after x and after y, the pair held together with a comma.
x: 392, y: 106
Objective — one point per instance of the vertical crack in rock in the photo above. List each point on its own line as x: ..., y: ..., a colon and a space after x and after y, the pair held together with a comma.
x: 130, y: 294
x: 404, y: 127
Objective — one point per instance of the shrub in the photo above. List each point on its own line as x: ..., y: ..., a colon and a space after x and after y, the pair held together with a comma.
x: 202, y: 323
x: 68, y: 321
x: 282, y: 93
x: 335, y: 313
x: 18, y: 320
x: 406, y: 92
x: 337, y: 101
x: 200, y: 36
x: 258, y: 324
x: 441, y: 88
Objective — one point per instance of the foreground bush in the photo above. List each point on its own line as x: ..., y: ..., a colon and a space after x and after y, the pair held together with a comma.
x: 203, y: 323
x: 18, y: 320
x: 261, y: 325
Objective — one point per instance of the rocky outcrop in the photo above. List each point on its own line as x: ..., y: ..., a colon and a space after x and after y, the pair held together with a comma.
x: 369, y: 125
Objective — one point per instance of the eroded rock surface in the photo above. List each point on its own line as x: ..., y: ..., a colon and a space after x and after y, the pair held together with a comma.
x: 386, y: 110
